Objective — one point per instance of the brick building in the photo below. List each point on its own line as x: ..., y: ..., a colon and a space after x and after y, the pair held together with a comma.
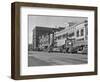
x: 42, y: 35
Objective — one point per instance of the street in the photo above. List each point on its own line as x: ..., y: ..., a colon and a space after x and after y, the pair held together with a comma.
x: 36, y: 58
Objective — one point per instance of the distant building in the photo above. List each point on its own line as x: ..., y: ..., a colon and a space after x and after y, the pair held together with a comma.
x: 30, y: 47
x: 41, y: 36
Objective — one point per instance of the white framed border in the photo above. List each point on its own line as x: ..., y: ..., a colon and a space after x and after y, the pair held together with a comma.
x: 25, y: 70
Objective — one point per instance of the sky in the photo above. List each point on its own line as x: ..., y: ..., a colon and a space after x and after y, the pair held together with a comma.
x: 50, y: 21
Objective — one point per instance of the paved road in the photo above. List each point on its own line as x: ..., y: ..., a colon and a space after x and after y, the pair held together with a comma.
x: 37, y: 62
x: 45, y: 59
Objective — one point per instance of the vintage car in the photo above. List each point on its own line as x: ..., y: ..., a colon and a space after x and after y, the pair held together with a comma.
x: 83, y: 50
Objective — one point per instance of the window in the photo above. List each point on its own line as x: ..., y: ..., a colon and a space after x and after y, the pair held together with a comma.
x: 77, y: 33
x: 82, y: 32
x: 59, y: 37
x: 80, y: 39
x: 64, y: 35
x: 71, y: 34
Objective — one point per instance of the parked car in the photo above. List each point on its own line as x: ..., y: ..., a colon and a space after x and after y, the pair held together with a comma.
x: 72, y: 50
x: 55, y: 49
x: 63, y: 50
x: 83, y: 50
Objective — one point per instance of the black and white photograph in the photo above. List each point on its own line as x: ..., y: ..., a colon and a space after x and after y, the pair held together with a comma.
x: 57, y: 40
x: 53, y: 40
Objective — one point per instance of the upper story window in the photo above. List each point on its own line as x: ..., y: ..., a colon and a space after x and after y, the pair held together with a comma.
x: 82, y: 32
x: 59, y: 37
x: 71, y: 34
x: 64, y: 35
x: 77, y: 33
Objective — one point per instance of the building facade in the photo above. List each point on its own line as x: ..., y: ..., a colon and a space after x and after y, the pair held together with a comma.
x: 72, y: 36
x: 44, y: 41
x: 81, y: 34
x: 63, y: 35
x: 42, y: 37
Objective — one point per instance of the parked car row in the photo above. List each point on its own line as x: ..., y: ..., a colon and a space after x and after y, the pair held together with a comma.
x: 79, y: 49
